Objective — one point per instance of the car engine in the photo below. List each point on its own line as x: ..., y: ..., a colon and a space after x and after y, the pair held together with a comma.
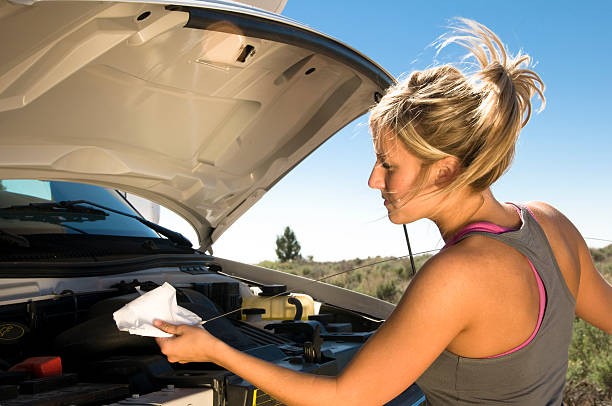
x: 65, y: 349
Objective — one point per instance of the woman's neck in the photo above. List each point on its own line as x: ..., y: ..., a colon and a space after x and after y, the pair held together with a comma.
x: 465, y: 208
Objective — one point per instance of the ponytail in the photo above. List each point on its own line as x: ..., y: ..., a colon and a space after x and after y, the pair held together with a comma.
x: 476, y: 118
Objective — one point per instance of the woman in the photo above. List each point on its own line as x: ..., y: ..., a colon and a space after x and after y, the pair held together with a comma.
x: 487, y: 320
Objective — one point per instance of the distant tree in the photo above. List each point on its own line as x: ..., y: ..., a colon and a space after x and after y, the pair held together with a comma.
x: 287, y: 246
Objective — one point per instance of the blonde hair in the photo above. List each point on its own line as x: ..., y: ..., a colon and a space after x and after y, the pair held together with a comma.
x: 477, y: 118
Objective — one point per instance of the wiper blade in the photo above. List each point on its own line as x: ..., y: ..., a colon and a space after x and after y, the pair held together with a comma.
x: 62, y: 210
x: 65, y: 208
x: 173, y: 236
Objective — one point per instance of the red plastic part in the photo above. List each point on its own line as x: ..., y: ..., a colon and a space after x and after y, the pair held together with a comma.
x: 40, y: 367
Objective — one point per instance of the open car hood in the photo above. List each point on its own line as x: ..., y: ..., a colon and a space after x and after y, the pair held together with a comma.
x: 198, y: 106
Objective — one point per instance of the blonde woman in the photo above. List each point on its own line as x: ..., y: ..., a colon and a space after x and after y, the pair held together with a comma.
x: 487, y: 320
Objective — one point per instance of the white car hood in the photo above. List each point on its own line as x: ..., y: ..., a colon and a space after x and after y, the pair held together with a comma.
x: 199, y: 106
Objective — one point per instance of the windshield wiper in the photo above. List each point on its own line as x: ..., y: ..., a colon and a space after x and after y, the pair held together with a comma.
x: 67, y: 207
x: 64, y: 212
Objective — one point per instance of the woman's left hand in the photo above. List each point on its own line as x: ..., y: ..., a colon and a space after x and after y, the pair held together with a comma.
x: 189, y: 344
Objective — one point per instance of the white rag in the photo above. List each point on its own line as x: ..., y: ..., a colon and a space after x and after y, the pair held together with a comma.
x: 137, y: 316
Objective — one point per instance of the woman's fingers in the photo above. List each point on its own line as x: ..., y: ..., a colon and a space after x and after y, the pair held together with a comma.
x: 185, y: 345
x: 166, y: 327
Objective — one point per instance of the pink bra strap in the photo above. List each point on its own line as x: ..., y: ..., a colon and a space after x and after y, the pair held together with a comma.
x: 478, y: 226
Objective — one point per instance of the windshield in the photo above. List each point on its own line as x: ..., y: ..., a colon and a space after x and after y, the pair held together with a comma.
x: 21, y: 192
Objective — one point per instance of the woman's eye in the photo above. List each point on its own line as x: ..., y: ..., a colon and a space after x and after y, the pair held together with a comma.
x: 385, y: 165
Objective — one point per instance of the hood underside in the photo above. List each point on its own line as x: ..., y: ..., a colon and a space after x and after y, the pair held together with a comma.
x: 200, y: 109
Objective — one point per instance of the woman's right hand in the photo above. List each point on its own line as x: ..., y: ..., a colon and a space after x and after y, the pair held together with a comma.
x: 189, y: 344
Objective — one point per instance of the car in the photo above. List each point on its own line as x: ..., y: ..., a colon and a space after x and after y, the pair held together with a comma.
x: 197, y: 106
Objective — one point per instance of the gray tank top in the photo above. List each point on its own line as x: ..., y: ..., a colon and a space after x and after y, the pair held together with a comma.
x: 531, y: 376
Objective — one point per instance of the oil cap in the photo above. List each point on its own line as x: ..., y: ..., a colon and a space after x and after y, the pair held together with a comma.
x: 273, y: 290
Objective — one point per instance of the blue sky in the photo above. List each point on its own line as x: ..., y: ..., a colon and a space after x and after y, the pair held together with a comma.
x: 563, y: 155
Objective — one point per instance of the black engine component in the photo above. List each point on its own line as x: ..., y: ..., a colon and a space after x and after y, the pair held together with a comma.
x: 299, y: 309
x: 306, y: 332
x: 13, y: 377
x: 225, y: 294
x: 99, y: 337
x: 138, y: 371
x: 312, y: 349
x: 130, y: 287
x: 8, y: 392
x: 46, y: 384
x: 298, y: 331
x: 12, y: 337
x: 273, y: 290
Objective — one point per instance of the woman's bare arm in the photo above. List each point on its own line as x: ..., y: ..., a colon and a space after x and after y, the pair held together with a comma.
x: 435, y: 308
x: 594, y: 301
x: 592, y: 292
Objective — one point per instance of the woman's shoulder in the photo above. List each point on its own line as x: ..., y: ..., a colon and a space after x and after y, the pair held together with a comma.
x: 469, y: 262
x: 565, y: 240
x: 552, y: 219
x: 543, y: 210
x: 559, y: 230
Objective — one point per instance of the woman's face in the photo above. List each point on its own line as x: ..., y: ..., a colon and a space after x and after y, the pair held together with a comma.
x: 402, y: 179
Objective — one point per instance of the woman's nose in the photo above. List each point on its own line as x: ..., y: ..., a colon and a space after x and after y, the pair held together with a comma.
x: 377, y: 179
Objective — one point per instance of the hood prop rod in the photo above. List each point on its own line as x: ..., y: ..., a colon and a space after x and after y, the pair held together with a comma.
x: 409, y: 251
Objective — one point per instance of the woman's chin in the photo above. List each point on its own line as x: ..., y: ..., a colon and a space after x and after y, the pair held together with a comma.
x: 396, y: 218
x: 400, y: 216
x: 396, y: 221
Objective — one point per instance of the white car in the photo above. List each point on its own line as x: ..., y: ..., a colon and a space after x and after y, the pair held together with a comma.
x: 194, y: 105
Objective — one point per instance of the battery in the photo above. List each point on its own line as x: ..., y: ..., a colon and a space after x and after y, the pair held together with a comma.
x: 171, y: 396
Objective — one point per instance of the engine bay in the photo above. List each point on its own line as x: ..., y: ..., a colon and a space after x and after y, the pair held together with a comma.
x: 100, y: 365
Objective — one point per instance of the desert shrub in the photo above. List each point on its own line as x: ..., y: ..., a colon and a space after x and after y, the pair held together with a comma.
x: 269, y: 264
x: 386, y: 291
x: 355, y: 278
x: 597, y: 255
x: 383, y: 267
x: 589, y: 374
x: 590, y: 356
x: 586, y: 394
x: 399, y: 271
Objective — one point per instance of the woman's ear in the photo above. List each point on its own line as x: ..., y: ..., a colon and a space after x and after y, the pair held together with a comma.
x: 446, y: 170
